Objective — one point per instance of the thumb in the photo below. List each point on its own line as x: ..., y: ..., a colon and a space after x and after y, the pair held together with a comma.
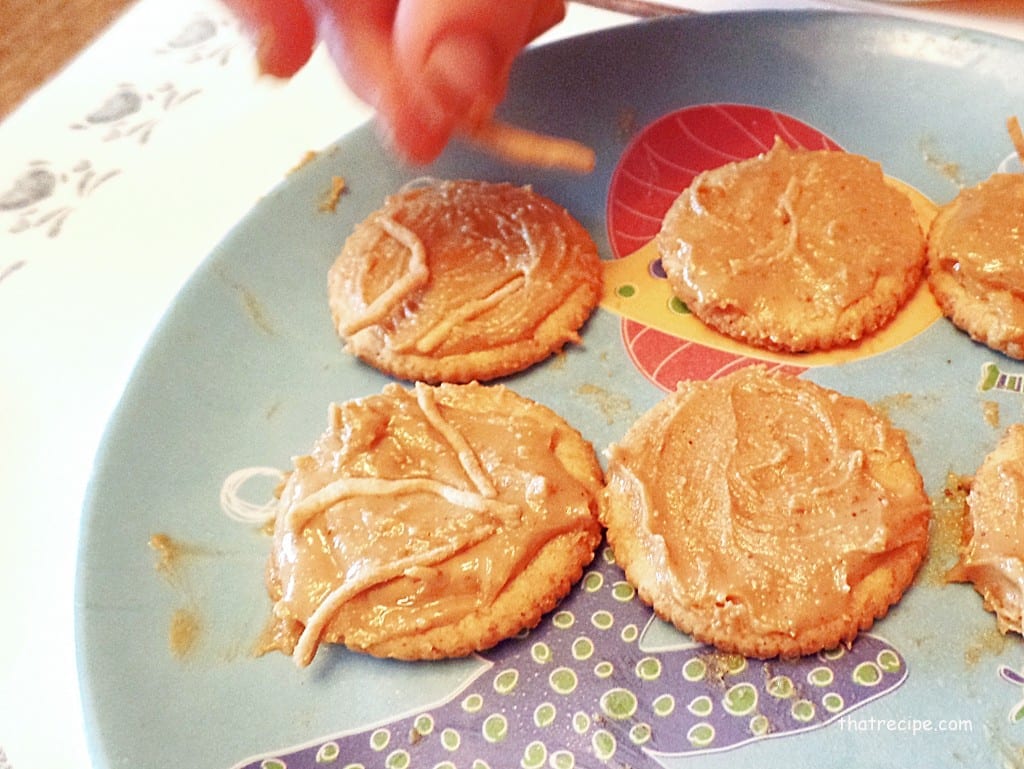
x: 451, y: 60
x: 282, y: 30
x: 461, y: 51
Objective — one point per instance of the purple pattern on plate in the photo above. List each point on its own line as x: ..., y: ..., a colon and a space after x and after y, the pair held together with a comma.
x: 583, y: 689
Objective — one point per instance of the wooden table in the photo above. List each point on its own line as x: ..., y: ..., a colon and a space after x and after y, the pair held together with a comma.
x: 38, y: 37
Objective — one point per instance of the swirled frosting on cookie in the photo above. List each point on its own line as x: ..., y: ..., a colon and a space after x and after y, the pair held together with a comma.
x: 463, y: 280
x: 431, y: 523
x: 766, y: 514
x: 793, y: 250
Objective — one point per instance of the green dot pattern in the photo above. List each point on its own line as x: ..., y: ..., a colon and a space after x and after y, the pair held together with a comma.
x: 328, y: 753
x: 867, y: 674
x: 664, y: 705
x: 495, y: 728
x: 623, y: 592
x: 649, y: 669
x: 803, y: 710
x: 701, y: 706
x: 540, y: 653
x: 603, y: 744
x: 781, y: 687
x: 888, y: 661
x: 833, y: 702
x: 821, y: 676
x: 450, y: 739
x: 581, y: 722
x: 695, y: 670
x: 535, y: 755
x: 640, y: 734
x: 759, y: 725
x: 701, y: 735
x: 582, y: 649
x: 740, y: 700
x: 563, y: 681
x: 678, y: 306
x: 473, y: 703
x: 619, y: 704
x: 563, y: 620
x: 424, y: 724
x: 630, y: 634
x: 563, y: 759
x: 593, y: 582
x: 544, y: 715
x: 505, y: 682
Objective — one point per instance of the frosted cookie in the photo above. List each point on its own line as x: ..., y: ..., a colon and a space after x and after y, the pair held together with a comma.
x: 463, y: 280
x: 793, y: 250
x: 765, y: 514
x: 992, y: 551
x: 976, y: 262
x: 431, y: 523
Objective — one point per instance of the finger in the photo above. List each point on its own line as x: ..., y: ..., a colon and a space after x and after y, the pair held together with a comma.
x: 546, y: 15
x: 462, y: 50
x: 283, y: 32
x: 358, y: 35
x: 452, y: 59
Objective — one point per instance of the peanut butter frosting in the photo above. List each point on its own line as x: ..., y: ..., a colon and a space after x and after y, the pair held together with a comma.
x: 754, y: 506
x: 793, y: 249
x: 992, y: 553
x: 445, y: 273
x: 976, y: 261
x: 417, y: 508
x: 988, y: 251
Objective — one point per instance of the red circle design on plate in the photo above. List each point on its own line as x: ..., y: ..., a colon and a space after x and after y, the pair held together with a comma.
x: 655, y: 168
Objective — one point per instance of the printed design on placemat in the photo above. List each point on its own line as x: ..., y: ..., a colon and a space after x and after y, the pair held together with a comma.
x: 132, y: 112
x: 602, y: 682
x: 41, y: 196
x: 204, y: 39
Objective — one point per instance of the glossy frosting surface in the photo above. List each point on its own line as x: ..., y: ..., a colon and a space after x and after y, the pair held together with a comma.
x: 417, y: 507
x: 765, y: 499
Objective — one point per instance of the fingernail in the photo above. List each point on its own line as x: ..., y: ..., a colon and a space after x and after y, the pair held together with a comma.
x: 462, y: 70
x: 408, y: 135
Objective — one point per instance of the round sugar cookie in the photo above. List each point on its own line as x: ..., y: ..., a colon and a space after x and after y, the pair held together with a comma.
x: 431, y: 522
x: 793, y: 250
x: 458, y: 281
x: 976, y: 262
x: 992, y: 550
x: 765, y: 514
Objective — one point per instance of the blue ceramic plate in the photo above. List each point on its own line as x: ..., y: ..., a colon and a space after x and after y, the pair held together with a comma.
x: 243, y: 366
